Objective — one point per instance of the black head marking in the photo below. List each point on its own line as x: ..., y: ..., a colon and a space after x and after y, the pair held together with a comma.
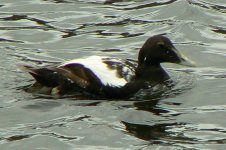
x: 158, y: 49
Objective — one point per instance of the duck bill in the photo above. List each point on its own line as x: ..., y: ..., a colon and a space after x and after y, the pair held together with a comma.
x: 183, y: 60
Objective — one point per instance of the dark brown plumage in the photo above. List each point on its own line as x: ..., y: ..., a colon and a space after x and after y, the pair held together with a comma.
x: 130, y: 76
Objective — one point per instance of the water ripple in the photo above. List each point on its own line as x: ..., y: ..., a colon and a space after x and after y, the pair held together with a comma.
x: 188, y: 115
x: 208, y: 5
x: 145, y: 5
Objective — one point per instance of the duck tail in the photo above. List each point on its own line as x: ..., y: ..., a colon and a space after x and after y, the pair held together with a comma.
x: 45, y: 76
x: 26, y: 68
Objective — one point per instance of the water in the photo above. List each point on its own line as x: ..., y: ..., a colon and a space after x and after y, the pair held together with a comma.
x: 41, y: 32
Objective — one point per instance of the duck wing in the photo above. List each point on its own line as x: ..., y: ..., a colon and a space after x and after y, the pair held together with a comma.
x: 53, y: 76
x: 93, y: 75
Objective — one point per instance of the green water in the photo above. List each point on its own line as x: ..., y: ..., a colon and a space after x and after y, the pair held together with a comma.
x: 41, y: 32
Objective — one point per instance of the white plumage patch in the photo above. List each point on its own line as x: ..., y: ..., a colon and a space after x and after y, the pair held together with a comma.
x: 106, y: 75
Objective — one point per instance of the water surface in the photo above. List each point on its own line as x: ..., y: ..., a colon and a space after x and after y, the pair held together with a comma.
x: 41, y: 32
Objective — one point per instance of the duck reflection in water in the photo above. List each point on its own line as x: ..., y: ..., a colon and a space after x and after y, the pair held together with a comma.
x: 160, y: 133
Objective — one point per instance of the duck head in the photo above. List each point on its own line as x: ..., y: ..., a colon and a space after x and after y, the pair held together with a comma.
x: 159, y: 49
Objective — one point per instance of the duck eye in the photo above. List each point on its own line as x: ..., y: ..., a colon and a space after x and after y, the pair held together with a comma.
x: 167, y: 52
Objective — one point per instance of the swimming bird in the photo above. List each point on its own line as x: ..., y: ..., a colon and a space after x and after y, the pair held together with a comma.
x: 108, y: 78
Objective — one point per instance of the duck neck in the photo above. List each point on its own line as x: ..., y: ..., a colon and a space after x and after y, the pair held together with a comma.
x: 152, y: 73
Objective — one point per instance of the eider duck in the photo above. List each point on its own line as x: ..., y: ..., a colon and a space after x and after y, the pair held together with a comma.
x: 110, y: 78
